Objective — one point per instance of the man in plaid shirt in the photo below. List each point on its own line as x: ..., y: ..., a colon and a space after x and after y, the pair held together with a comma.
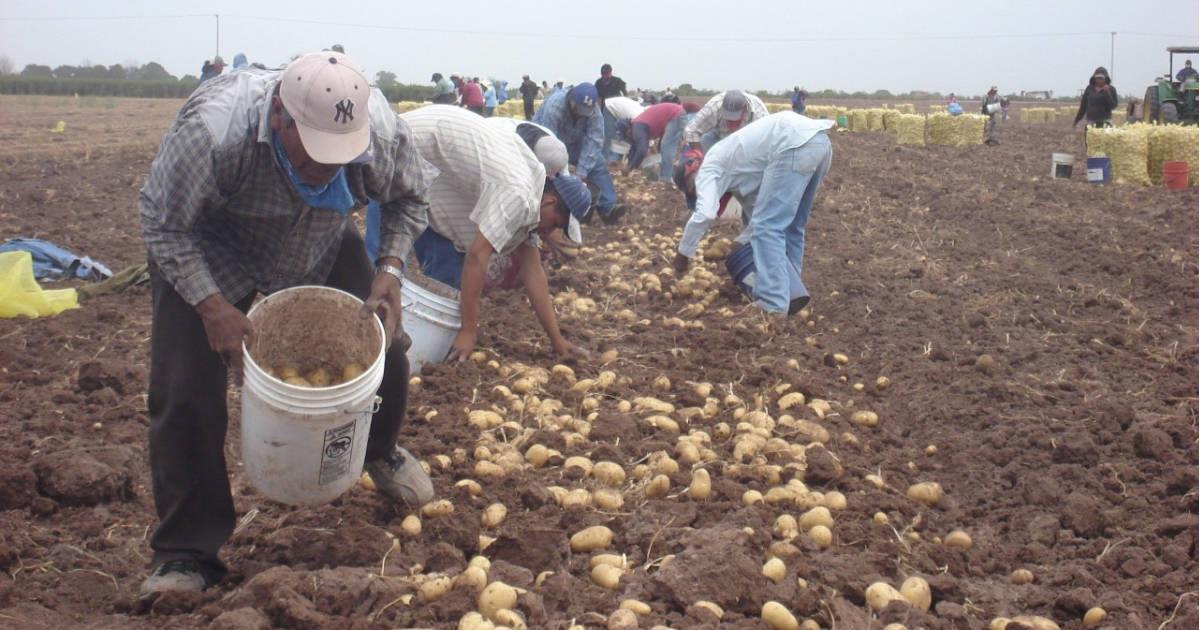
x: 250, y: 193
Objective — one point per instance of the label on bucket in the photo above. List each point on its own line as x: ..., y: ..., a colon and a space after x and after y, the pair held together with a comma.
x: 1095, y: 174
x: 335, y: 453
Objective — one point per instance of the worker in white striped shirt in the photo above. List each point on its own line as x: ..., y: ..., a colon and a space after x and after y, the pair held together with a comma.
x: 490, y: 198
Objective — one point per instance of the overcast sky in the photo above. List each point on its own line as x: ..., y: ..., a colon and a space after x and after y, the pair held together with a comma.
x: 751, y: 44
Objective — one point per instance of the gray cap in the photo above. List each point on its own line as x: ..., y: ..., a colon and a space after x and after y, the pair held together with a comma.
x: 552, y: 153
x: 218, y: 61
x: 734, y: 105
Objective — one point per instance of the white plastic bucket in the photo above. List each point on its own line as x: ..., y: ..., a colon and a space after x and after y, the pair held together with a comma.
x: 992, y: 108
x: 1061, y: 165
x: 306, y: 445
x: 431, y: 321
x: 620, y: 147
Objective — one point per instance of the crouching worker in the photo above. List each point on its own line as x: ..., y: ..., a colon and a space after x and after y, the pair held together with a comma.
x: 778, y: 162
x: 660, y: 122
x: 249, y: 194
x: 488, y: 205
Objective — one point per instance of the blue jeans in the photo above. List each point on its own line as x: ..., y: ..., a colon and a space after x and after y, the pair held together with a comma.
x: 600, y: 178
x: 668, y: 146
x: 610, y: 132
x: 438, y: 258
x: 781, y: 210
x: 436, y: 254
x: 708, y: 140
x: 371, y: 240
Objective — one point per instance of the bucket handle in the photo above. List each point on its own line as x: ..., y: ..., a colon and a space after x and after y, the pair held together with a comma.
x: 375, y: 404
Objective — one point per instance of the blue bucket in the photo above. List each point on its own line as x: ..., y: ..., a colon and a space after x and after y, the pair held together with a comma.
x: 740, y: 265
x: 1099, y: 170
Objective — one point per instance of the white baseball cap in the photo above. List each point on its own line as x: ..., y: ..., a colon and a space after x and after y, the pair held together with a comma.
x: 326, y: 93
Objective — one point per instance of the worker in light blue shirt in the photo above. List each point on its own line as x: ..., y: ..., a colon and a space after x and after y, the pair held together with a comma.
x: 775, y: 165
x: 574, y: 117
x: 489, y: 100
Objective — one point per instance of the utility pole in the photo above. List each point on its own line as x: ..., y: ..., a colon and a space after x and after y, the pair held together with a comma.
x: 1112, y: 54
x: 218, y: 16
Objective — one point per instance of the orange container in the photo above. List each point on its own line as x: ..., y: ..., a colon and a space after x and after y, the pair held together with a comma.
x: 1175, y: 175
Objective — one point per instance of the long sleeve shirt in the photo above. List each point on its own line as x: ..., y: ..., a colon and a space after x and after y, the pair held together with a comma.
x: 709, y: 117
x: 472, y: 95
x: 489, y: 182
x: 1097, y: 105
x: 737, y: 165
x: 583, y: 135
x: 219, y: 214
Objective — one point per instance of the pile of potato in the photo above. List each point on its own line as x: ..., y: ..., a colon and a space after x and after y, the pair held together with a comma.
x: 319, y: 376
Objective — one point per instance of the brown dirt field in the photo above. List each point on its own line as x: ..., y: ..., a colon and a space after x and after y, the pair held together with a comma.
x: 1041, y: 334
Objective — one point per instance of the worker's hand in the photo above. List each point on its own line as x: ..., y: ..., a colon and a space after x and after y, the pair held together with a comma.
x: 565, y: 349
x: 227, y: 328
x: 461, y: 347
x: 680, y: 263
x: 384, y: 301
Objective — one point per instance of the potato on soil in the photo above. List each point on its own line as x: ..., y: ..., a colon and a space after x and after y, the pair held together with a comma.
x: 916, y: 591
x: 592, y: 538
x: 880, y: 594
x: 778, y: 617
x: 495, y: 597
x: 927, y: 492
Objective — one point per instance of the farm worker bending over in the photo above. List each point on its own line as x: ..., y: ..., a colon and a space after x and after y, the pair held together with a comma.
x: 249, y: 194
x: 722, y: 115
x: 490, y: 201
x: 1098, y: 101
x: 660, y: 122
x: 781, y: 159
x: 552, y: 153
x: 992, y: 98
x: 574, y: 117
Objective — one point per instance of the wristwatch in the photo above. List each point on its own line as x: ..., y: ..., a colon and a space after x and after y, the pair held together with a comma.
x: 392, y: 270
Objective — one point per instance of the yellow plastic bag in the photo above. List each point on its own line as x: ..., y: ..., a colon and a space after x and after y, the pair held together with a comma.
x: 20, y: 295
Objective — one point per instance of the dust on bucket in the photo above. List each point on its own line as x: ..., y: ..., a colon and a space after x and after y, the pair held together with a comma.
x: 430, y: 320
x: 1061, y: 165
x: 305, y: 445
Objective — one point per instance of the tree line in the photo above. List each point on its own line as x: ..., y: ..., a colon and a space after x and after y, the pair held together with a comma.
x: 152, y: 80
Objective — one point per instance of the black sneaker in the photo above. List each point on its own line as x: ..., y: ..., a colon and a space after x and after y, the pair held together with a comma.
x: 177, y: 575
x: 614, y: 215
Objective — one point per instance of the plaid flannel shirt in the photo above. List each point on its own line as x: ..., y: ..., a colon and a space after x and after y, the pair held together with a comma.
x: 219, y: 215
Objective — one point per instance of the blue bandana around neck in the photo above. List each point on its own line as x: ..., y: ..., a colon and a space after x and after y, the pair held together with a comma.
x: 333, y: 195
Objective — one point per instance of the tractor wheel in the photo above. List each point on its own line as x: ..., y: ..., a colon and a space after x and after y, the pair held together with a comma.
x: 1168, y: 114
x: 1150, y: 105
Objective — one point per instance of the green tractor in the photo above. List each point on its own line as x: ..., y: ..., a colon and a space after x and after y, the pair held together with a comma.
x: 1170, y: 101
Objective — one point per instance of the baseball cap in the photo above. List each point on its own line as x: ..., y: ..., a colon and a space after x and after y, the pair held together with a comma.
x: 552, y: 153
x: 327, y: 96
x: 691, y: 108
x: 688, y: 163
x: 583, y: 98
x: 734, y: 105
x: 218, y: 61
x: 573, y: 192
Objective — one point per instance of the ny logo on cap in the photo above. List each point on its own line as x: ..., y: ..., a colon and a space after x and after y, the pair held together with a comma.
x: 344, y: 111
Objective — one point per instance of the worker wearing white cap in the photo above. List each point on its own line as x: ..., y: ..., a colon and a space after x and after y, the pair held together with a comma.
x: 489, y: 206
x: 722, y: 115
x: 249, y: 194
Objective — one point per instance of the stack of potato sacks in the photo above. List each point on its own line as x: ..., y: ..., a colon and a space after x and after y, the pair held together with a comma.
x: 956, y: 131
x: 1137, y: 151
x: 1038, y: 114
